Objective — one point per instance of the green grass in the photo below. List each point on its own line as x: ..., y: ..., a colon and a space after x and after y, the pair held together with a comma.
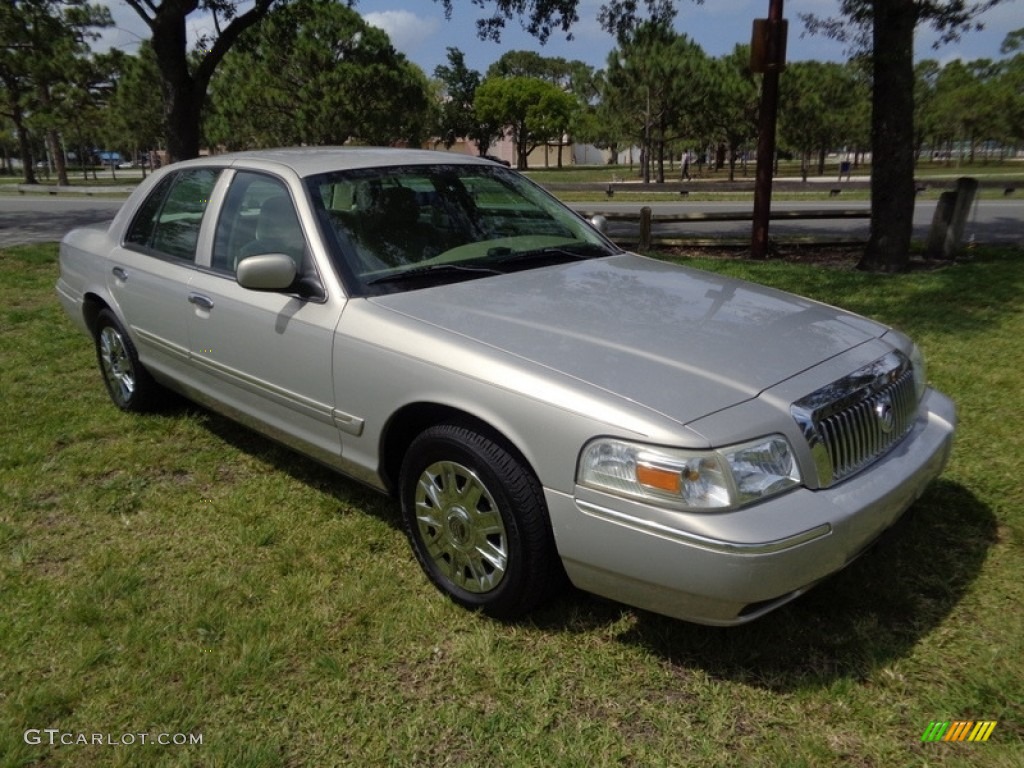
x: 176, y: 573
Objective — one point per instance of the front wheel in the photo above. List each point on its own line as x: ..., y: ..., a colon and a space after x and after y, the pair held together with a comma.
x: 477, y: 521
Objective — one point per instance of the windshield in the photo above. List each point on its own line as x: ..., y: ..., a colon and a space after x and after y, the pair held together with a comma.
x: 402, y: 228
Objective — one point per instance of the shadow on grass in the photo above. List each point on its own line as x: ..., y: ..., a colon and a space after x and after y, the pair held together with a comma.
x: 863, y: 617
x: 348, y: 493
x: 966, y: 298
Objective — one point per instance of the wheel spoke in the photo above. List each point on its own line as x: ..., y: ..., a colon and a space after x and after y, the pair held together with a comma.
x: 428, y: 498
x: 461, y: 527
x: 472, y: 494
x: 496, y: 556
x: 116, y: 364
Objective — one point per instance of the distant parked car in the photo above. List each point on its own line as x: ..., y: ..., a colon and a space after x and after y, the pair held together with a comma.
x: 537, y: 399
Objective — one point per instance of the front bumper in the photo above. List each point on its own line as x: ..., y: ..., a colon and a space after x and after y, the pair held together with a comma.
x: 730, y: 568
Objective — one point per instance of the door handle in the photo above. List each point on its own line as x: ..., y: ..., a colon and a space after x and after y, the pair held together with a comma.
x: 203, y: 302
x: 120, y: 273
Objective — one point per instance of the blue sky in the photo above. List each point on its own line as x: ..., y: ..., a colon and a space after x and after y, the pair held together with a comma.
x: 419, y: 30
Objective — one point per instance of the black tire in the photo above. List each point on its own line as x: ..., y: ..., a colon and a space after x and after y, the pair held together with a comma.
x: 477, y: 521
x: 128, y: 383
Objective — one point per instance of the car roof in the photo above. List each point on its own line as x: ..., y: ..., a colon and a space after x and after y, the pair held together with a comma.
x: 308, y: 161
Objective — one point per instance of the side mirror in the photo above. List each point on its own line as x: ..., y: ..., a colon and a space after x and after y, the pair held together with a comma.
x: 600, y: 223
x: 266, y: 272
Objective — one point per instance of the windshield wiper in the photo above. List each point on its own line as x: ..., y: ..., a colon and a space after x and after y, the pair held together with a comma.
x: 429, y: 270
x: 580, y: 252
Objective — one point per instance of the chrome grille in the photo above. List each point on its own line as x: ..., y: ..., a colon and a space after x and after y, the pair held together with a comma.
x: 855, y: 420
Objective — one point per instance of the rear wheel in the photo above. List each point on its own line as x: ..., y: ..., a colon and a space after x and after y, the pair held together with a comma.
x: 129, y: 384
x: 477, y: 521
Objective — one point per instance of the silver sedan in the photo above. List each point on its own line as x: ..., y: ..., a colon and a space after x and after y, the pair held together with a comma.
x: 541, y: 403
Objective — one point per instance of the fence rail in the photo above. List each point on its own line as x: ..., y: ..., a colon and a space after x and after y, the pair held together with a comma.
x: 646, y: 220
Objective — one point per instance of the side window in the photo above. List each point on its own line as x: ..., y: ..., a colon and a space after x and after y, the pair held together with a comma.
x: 170, y: 218
x: 258, y: 216
x: 144, y: 224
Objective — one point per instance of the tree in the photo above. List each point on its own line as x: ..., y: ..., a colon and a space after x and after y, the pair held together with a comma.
x: 83, y: 103
x: 608, y: 125
x: 926, y: 123
x: 314, y: 72
x: 883, y: 27
x: 664, y: 80
x: 43, y: 42
x: 734, y: 103
x: 820, y: 103
x: 1012, y: 80
x: 533, y: 111
x: 572, y: 77
x: 458, y: 117
x: 136, y: 110
x: 886, y: 28
x: 184, y: 82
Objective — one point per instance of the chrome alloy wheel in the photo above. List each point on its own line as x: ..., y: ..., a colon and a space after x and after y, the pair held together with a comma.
x: 117, y: 365
x: 461, y: 527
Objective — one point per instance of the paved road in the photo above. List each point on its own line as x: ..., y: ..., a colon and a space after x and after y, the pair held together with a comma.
x: 40, y: 219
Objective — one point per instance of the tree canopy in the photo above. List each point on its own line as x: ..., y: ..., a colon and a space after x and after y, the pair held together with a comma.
x: 296, y: 71
x: 315, y: 73
x: 662, y: 79
x: 457, y: 118
x: 531, y: 110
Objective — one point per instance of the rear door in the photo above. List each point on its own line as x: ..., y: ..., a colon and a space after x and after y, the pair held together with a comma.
x: 151, y: 270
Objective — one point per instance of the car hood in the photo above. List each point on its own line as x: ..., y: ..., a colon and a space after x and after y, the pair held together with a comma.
x: 680, y: 341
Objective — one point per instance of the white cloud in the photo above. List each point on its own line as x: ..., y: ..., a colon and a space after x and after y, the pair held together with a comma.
x: 407, y: 31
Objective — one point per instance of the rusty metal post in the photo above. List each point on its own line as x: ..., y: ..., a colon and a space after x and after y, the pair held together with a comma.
x: 766, y: 133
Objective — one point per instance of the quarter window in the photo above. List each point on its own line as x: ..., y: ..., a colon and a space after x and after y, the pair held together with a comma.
x: 168, y: 221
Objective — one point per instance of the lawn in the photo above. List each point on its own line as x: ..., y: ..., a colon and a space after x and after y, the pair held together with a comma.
x: 177, y: 577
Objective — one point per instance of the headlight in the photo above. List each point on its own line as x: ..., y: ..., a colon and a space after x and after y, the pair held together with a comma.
x: 684, y: 479
x: 920, y: 372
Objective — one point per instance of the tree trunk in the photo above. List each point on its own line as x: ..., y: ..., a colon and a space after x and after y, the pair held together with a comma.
x: 183, y: 100
x: 16, y: 116
x: 57, y: 156
x: 28, y: 171
x: 892, y: 136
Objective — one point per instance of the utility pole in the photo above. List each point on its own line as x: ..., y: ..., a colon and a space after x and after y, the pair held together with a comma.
x: 768, y: 55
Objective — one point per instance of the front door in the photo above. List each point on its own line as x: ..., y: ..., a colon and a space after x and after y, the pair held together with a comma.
x: 266, y: 355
